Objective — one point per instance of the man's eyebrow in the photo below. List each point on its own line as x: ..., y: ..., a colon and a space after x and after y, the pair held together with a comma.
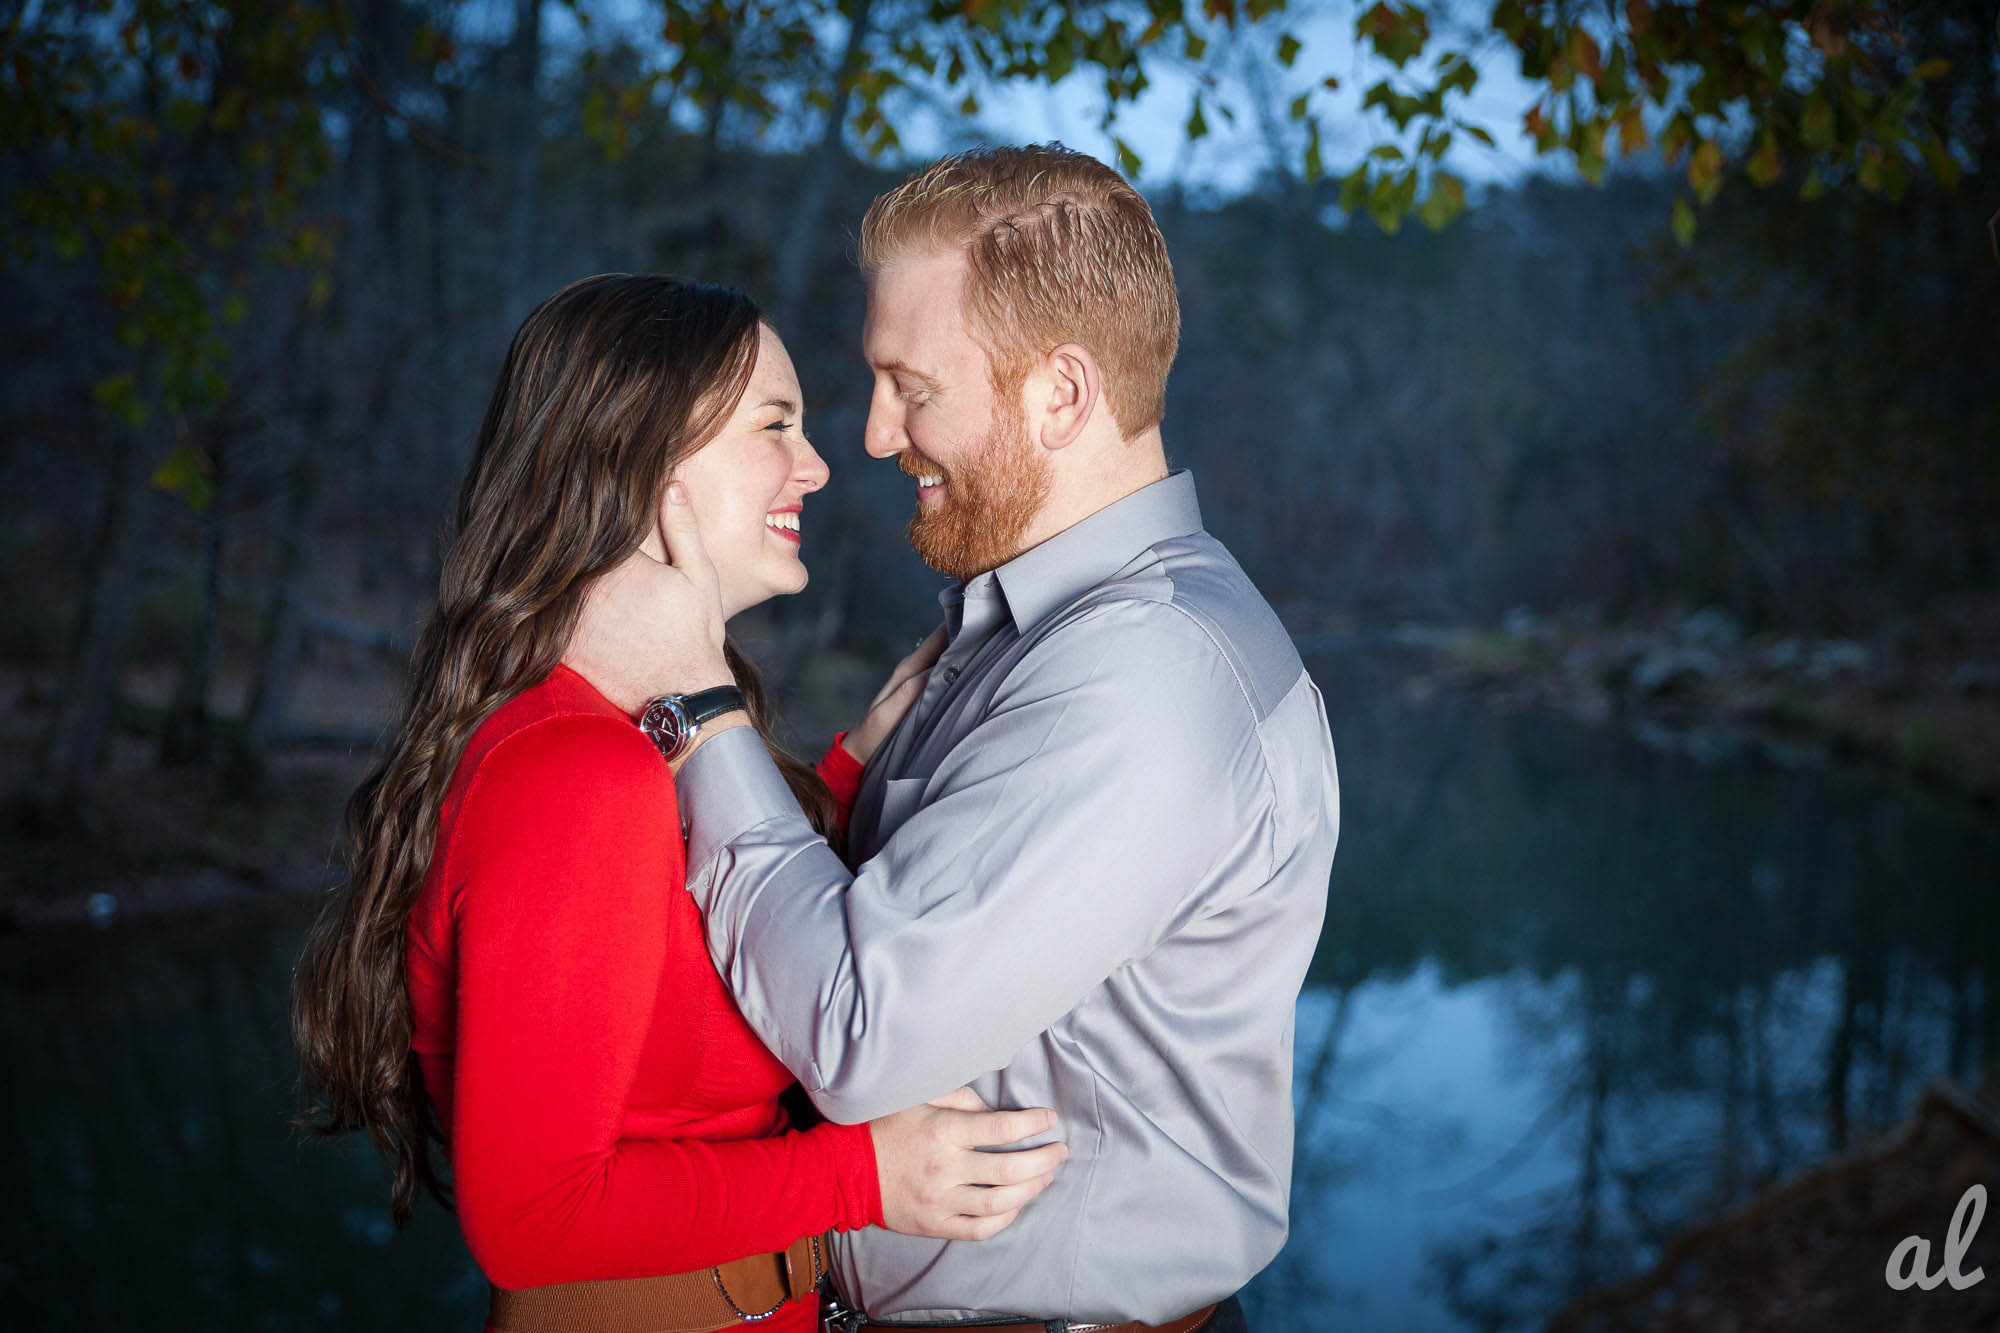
x: 902, y: 368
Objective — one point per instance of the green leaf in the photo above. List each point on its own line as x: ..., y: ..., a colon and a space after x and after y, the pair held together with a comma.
x: 119, y: 396
x: 1128, y: 161
x: 1765, y: 165
x: 1477, y: 133
x: 1816, y: 120
x: 1683, y: 221
x: 1814, y: 186
x: 186, y: 473
x: 1945, y: 168
x: 1315, y: 164
x: 1288, y: 50
x: 1197, y: 124
x: 1353, y: 188
x: 1061, y: 59
x: 1705, y: 169
x: 1445, y: 201
x: 1870, y: 172
x: 1383, y: 205
x: 1590, y: 158
x: 1299, y: 106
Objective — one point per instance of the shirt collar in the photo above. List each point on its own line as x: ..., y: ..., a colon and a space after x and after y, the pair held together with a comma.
x: 1083, y: 555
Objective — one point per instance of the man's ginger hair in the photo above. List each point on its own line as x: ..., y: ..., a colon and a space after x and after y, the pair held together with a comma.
x: 1059, y: 248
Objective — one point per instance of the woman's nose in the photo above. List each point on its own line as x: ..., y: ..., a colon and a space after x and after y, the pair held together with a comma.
x: 812, y: 469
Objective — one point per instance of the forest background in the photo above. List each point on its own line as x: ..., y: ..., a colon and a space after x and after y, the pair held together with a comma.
x: 264, y: 260
x: 1633, y: 359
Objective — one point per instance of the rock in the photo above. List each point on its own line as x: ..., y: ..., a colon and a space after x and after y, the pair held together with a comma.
x: 1836, y: 657
x: 1713, y: 629
x: 1783, y: 657
x: 1666, y: 670
x: 1974, y: 677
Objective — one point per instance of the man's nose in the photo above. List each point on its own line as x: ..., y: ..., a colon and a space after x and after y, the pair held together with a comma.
x: 883, y: 436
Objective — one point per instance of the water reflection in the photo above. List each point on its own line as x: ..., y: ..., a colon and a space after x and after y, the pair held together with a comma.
x: 1576, y: 994
x: 1573, y: 994
x: 158, y: 1184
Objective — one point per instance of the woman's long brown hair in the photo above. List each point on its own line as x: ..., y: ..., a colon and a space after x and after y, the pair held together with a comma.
x: 608, y: 384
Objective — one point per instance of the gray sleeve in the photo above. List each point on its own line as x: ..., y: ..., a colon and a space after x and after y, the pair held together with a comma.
x: 1064, y: 835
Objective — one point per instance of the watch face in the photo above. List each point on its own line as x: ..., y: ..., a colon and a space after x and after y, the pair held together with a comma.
x: 667, y: 725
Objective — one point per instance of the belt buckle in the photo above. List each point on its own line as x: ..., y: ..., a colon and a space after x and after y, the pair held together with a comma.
x: 836, y: 1317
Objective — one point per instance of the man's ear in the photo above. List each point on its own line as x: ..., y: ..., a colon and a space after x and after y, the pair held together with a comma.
x: 1069, y: 385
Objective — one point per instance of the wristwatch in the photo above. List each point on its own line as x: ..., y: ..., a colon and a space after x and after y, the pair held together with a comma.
x: 672, y: 721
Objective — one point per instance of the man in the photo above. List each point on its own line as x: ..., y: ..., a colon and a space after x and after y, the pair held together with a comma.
x: 1090, y: 865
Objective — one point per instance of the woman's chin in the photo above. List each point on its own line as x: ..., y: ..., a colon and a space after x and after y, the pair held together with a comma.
x: 779, y: 585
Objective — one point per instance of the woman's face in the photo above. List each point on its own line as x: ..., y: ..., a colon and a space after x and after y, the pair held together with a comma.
x: 748, y: 485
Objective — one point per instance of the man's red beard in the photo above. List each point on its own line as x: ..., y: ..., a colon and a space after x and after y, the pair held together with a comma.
x: 989, y: 501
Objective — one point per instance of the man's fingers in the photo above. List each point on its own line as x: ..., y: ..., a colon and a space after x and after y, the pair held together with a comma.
x: 679, y: 532
x: 972, y: 1201
x: 997, y: 1127
x: 976, y: 1228
x: 911, y: 688
x: 1011, y: 1168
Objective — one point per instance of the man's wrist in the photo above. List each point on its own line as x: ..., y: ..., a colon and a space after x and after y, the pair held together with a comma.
x: 709, y: 730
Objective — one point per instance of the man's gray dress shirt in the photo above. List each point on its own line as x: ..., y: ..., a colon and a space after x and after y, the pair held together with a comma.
x: 1091, y: 866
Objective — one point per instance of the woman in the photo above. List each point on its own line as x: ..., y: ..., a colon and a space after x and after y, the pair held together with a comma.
x: 513, y: 971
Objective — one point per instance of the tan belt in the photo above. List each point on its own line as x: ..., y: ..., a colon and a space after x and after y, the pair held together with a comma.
x: 725, y: 1296
x: 1185, y: 1324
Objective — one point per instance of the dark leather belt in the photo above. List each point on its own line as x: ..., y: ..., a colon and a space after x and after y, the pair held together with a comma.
x: 731, y: 1295
x: 1185, y: 1324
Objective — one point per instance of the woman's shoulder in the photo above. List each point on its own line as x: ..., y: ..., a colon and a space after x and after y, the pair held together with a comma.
x: 565, y: 742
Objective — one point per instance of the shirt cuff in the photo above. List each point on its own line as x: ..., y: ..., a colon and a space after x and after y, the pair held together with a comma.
x: 728, y: 787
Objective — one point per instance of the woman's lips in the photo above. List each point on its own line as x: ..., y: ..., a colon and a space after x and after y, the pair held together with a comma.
x: 785, y: 523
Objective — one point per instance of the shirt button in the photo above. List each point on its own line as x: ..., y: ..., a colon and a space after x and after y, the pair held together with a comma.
x: 950, y: 674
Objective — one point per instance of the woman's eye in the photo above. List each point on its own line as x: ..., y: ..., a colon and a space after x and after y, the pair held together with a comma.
x: 779, y: 426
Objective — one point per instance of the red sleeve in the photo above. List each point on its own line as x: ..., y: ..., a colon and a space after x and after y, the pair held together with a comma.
x: 841, y: 772
x: 565, y: 855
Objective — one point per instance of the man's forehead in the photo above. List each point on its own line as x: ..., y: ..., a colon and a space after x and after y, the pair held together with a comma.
x: 913, y: 311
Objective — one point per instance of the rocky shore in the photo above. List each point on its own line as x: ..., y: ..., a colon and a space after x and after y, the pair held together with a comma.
x: 1920, y: 701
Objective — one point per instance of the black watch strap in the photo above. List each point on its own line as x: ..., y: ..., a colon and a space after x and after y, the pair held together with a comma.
x: 706, y: 705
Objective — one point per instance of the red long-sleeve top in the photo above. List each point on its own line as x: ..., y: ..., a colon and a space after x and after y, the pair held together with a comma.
x: 609, y: 1112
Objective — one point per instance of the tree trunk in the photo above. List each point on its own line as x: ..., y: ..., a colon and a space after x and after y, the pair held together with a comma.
x: 73, y: 745
x: 440, y: 182
x: 186, y: 736
x: 801, y: 250
x: 525, y: 55
x: 283, y: 632
x: 377, y: 269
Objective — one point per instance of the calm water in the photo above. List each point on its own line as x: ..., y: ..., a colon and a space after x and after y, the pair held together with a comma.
x: 1573, y: 992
